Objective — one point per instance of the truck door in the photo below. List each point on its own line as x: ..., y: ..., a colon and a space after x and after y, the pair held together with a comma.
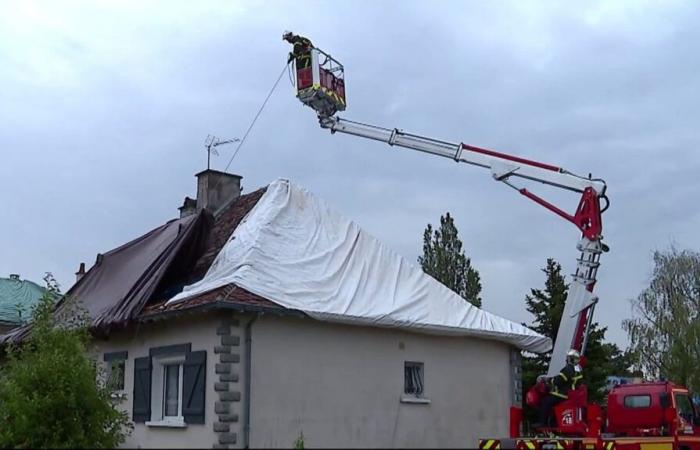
x: 686, y: 413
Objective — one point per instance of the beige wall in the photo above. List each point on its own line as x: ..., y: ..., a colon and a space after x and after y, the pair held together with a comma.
x: 200, y: 331
x: 341, y: 385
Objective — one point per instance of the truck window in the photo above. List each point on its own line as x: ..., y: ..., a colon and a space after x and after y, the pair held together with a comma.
x: 684, y: 407
x: 637, y: 401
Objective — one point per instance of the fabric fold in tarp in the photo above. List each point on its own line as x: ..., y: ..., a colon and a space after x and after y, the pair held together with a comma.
x: 122, y: 280
x: 294, y: 250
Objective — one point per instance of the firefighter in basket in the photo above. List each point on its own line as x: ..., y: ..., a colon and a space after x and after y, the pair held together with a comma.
x: 559, y: 386
x: 301, y: 50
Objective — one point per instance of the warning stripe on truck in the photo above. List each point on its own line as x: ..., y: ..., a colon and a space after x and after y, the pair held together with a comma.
x: 489, y: 444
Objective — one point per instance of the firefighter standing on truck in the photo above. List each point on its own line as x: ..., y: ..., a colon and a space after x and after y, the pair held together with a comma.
x: 301, y: 50
x: 559, y: 386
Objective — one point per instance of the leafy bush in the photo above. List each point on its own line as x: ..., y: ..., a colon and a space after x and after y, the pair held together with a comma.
x: 50, y: 393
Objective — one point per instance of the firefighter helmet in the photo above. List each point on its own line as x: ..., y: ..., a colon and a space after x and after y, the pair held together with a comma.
x: 573, y: 355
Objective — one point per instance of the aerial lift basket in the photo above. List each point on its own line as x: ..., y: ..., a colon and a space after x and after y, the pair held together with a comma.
x: 321, y: 85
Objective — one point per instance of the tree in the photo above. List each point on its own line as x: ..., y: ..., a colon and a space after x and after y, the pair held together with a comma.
x: 547, y: 307
x: 665, y: 331
x: 50, y: 393
x: 444, y: 259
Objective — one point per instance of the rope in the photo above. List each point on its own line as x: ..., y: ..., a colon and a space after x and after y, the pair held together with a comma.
x: 240, y: 144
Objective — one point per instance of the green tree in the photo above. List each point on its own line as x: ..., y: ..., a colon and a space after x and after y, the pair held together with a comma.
x: 444, y: 259
x: 665, y: 330
x: 50, y: 393
x: 547, y: 306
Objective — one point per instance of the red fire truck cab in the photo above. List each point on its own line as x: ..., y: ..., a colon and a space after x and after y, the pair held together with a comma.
x: 659, y: 415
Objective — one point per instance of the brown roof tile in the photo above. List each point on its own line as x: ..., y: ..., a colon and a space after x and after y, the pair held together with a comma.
x: 229, y: 295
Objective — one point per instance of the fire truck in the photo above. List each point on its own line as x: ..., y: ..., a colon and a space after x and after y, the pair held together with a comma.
x: 637, y: 416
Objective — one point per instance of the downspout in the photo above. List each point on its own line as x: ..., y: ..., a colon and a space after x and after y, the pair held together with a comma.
x: 248, y: 370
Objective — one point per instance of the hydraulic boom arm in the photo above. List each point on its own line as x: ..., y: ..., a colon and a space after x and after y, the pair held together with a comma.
x: 321, y: 87
x: 575, y: 323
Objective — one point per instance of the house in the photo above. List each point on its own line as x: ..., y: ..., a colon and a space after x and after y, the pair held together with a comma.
x: 268, y: 319
x: 17, y: 298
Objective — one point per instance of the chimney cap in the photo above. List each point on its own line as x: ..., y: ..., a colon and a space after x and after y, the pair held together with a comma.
x: 218, y: 172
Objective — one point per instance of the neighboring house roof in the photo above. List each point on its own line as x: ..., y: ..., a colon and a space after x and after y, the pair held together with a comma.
x: 17, y: 297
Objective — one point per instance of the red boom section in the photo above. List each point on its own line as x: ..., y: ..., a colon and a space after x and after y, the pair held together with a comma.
x: 485, y: 151
x: 587, y: 217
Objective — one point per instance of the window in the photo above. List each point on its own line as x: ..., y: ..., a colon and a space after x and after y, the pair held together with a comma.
x: 115, y: 377
x: 169, y: 386
x: 413, y: 383
x: 166, y: 399
x: 637, y: 401
x: 171, y: 390
x: 685, y: 407
x: 115, y: 370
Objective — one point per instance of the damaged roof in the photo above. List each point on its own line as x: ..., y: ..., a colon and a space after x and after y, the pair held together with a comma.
x: 294, y: 255
x: 140, y: 275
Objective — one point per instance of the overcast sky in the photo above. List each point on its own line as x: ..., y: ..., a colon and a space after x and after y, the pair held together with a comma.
x: 104, y: 107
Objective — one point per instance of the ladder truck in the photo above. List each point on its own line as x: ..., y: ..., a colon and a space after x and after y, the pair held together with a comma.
x: 669, y: 418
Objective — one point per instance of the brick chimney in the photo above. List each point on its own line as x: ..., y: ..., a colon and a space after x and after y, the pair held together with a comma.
x: 81, y: 271
x: 216, y: 189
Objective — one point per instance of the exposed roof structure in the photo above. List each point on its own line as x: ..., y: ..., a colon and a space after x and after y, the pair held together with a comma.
x: 17, y: 297
x: 140, y: 280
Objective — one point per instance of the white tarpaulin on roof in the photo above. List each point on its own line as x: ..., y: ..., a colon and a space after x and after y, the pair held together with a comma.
x: 294, y: 250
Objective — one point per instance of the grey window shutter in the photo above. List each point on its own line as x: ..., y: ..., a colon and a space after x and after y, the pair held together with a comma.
x: 193, y: 386
x: 142, y: 389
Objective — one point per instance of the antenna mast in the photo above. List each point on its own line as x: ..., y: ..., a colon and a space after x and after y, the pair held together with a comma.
x: 211, y: 142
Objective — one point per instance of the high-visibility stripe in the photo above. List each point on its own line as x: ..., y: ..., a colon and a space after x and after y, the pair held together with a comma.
x: 487, y: 444
x: 530, y: 445
x: 557, y: 394
x: 561, y: 374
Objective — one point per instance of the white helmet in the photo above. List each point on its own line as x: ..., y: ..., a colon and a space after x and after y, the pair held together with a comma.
x: 286, y: 35
x: 573, y: 354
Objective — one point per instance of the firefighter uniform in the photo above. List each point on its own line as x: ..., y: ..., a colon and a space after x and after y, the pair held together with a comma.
x: 568, y: 379
x: 301, y: 51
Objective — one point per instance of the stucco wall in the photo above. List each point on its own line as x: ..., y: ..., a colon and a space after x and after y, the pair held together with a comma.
x: 204, y: 332
x: 341, y: 386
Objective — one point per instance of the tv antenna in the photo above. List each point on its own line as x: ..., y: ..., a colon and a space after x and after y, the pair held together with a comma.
x: 211, y: 142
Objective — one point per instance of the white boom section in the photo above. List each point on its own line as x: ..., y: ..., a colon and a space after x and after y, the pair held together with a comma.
x: 578, y: 301
x: 501, y: 167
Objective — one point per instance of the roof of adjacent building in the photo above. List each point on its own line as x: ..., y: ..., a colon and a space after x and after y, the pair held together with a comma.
x: 17, y: 297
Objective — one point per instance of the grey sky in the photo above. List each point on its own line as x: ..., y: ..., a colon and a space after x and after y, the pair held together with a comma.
x: 104, y: 108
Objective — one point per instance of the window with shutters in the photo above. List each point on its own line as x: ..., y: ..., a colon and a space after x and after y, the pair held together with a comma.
x: 169, y: 387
